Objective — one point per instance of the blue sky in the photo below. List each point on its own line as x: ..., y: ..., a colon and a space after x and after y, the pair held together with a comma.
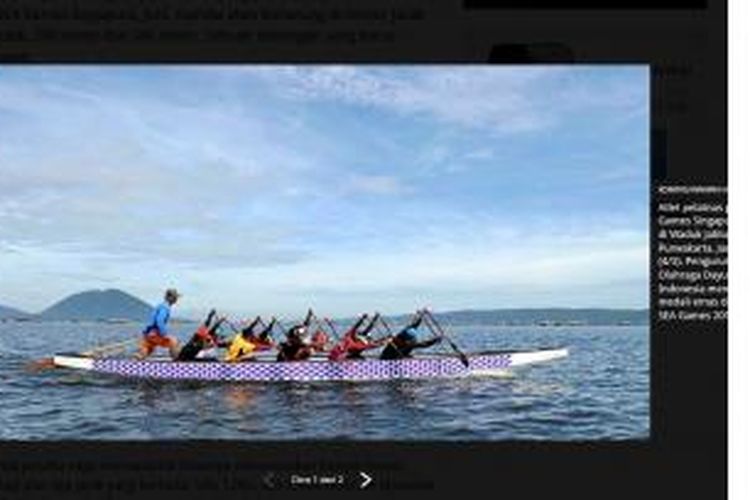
x: 270, y: 188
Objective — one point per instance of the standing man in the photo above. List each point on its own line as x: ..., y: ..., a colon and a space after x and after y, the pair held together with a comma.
x: 155, y: 333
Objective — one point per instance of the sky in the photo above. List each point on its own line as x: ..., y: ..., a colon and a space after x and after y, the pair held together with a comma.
x: 268, y: 189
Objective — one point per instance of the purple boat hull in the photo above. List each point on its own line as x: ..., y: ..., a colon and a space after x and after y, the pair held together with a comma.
x: 437, y: 366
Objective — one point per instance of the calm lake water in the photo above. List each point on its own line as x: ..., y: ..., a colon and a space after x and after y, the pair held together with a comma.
x: 601, y: 391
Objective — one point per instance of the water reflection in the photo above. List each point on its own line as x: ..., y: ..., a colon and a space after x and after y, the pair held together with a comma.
x: 525, y: 387
x: 353, y: 395
x: 239, y: 398
x: 601, y: 390
x: 149, y: 393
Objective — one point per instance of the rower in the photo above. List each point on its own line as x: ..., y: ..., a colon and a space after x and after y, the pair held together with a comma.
x: 406, y: 340
x: 355, y: 342
x: 297, y: 346
x: 294, y: 348
x: 243, y: 345
x: 320, y: 341
x: 206, y: 337
x: 155, y: 332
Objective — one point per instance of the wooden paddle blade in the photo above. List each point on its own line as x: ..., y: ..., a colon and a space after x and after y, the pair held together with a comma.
x: 104, y: 350
x: 39, y: 365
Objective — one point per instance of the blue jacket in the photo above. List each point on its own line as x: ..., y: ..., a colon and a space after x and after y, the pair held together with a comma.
x: 159, y: 319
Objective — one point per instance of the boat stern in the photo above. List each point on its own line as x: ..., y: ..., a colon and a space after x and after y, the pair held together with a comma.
x: 73, y: 361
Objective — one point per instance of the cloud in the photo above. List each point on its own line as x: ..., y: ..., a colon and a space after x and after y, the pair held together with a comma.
x: 92, y: 171
x: 503, y: 100
x: 543, y: 272
x: 376, y: 184
x: 271, y: 186
x: 476, y: 97
x: 480, y: 154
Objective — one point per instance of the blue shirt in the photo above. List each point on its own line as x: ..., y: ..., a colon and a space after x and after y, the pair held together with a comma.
x: 159, y: 319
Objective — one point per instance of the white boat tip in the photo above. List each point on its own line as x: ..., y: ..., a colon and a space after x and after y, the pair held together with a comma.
x: 76, y: 362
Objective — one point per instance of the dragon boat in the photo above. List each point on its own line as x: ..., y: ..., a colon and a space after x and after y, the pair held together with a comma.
x: 316, y: 369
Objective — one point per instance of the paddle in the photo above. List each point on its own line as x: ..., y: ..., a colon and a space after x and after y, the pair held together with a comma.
x: 209, y: 318
x: 236, y: 329
x: 319, y: 328
x: 265, y: 338
x: 109, y: 347
x: 258, y: 321
x: 377, y: 321
x: 333, y: 328
x: 282, y: 326
x: 233, y: 326
x: 49, y: 363
x: 427, y: 314
x: 385, y: 324
x: 267, y: 329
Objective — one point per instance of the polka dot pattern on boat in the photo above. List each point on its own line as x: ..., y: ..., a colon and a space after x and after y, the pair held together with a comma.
x: 369, y: 369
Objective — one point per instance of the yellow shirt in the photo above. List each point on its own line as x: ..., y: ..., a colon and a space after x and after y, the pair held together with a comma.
x: 238, y: 348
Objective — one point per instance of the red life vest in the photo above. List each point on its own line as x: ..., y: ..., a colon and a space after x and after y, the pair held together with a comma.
x: 349, y: 345
x: 204, y: 334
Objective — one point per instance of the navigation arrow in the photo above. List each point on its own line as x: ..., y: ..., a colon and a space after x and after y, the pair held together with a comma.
x: 366, y: 480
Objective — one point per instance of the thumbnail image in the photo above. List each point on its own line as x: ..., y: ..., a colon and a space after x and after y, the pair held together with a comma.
x: 324, y: 252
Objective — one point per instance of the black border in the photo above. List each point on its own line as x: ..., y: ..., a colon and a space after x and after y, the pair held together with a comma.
x: 686, y: 455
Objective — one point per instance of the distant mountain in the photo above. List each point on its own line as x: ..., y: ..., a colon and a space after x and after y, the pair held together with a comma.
x: 98, y: 305
x: 9, y: 312
x: 544, y: 317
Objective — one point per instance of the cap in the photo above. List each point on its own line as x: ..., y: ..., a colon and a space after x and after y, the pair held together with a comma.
x: 172, y: 292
